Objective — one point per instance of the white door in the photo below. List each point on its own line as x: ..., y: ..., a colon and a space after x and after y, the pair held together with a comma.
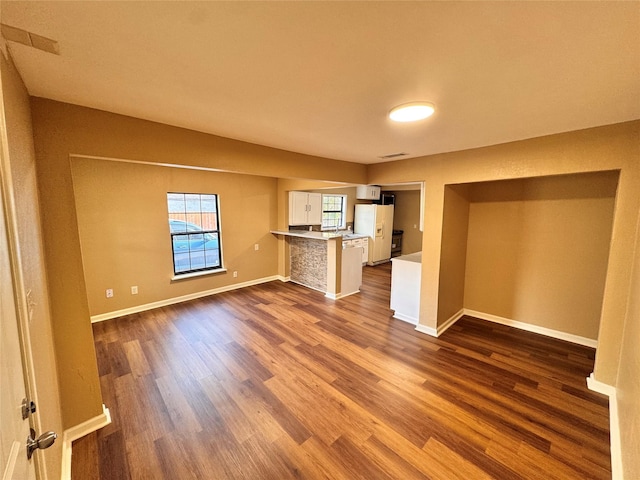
x: 13, y: 429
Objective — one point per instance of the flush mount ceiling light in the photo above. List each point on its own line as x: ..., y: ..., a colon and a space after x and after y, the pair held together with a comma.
x: 412, y: 112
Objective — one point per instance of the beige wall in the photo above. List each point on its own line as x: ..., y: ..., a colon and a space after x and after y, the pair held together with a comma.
x: 455, y: 223
x: 62, y: 130
x: 22, y: 160
x: 613, y: 147
x: 538, y: 250
x: 628, y: 382
x: 122, y: 220
x: 406, y: 217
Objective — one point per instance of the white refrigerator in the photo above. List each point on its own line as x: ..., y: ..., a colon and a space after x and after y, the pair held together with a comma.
x: 375, y: 221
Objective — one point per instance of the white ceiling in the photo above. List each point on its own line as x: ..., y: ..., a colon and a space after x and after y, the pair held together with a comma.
x: 320, y: 77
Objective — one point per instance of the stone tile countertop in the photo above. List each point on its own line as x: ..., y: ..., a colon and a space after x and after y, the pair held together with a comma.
x: 344, y: 234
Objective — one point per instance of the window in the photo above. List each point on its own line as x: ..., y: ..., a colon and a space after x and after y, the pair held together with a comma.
x: 194, y: 226
x: 334, y: 208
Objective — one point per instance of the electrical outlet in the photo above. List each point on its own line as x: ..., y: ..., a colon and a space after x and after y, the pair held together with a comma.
x: 134, y: 290
x: 235, y: 274
x: 109, y: 292
x: 256, y: 246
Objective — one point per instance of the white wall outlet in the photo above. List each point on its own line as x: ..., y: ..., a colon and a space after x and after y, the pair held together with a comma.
x: 256, y: 246
x: 235, y: 274
x: 109, y: 292
x: 134, y: 290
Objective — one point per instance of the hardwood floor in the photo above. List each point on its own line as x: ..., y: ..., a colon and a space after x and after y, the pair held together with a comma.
x: 277, y: 382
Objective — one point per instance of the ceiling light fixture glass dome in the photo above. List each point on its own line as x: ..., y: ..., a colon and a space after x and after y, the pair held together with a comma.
x: 412, y: 112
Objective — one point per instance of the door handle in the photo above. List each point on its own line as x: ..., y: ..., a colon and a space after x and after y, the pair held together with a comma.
x: 43, y: 441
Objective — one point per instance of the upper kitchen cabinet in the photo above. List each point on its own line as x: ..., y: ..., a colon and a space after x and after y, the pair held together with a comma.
x: 305, y: 208
x: 367, y: 192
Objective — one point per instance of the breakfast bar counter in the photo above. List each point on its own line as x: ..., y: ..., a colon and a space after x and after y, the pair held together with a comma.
x: 316, y: 260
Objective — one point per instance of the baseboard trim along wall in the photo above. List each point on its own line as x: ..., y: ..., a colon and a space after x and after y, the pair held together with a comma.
x: 614, y: 424
x: 406, y: 318
x: 184, y: 298
x: 587, y: 342
x: 440, y: 329
x: 79, y: 431
x: 338, y: 296
x: 436, y: 332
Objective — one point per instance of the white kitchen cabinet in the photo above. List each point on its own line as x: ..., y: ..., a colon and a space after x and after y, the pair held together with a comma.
x: 367, y: 192
x: 305, y: 208
x: 364, y: 244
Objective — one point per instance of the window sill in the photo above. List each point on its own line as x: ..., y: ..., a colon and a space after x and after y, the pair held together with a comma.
x: 184, y: 276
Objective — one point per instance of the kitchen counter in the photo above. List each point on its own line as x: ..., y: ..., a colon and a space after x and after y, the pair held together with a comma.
x: 345, y: 235
x: 322, y: 261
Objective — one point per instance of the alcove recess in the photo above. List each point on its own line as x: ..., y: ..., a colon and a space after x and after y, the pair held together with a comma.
x: 531, y: 250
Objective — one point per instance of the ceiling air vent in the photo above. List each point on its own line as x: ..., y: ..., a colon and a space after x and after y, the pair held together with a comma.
x: 29, y: 39
x: 393, y: 155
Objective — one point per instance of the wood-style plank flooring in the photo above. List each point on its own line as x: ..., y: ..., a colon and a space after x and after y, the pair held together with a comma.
x: 276, y: 382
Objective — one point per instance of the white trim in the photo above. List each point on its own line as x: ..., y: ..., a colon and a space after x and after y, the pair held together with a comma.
x: 307, y: 286
x: 568, y: 337
x: 434, y: 332
x: 183, y: 276
x: 11, y: 460
x: 614, y: 424
x: 338, y: 296
x: 184, y: 298
x: 596, y: 386
x: 79, y: 431
x: 428, y: 330
x: 405, y: 318
x: 282, y: 278
x: 329, y: 295
x: 440, y: 329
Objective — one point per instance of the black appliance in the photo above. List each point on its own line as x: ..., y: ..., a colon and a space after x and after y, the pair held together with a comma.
x: 386, y: 199
x: 396, y: 243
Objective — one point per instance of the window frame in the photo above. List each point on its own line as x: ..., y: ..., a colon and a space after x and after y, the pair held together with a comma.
x: 343, y: 212
x: 216, y: 232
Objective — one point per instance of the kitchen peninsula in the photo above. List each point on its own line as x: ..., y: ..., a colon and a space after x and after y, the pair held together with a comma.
x: 319, y: 261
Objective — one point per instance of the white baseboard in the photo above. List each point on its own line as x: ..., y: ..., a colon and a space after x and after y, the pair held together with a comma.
x: 440, y: 329
x: 568, y: 337
x: 282, y: 278
x: 79, y: 431
x: 603, y: 388
x: 184, y: 298
x: 453, y: 319
x: 338, y: 296
x: 614, y: 424
x: 405, y: 318
x: 428, y: 330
